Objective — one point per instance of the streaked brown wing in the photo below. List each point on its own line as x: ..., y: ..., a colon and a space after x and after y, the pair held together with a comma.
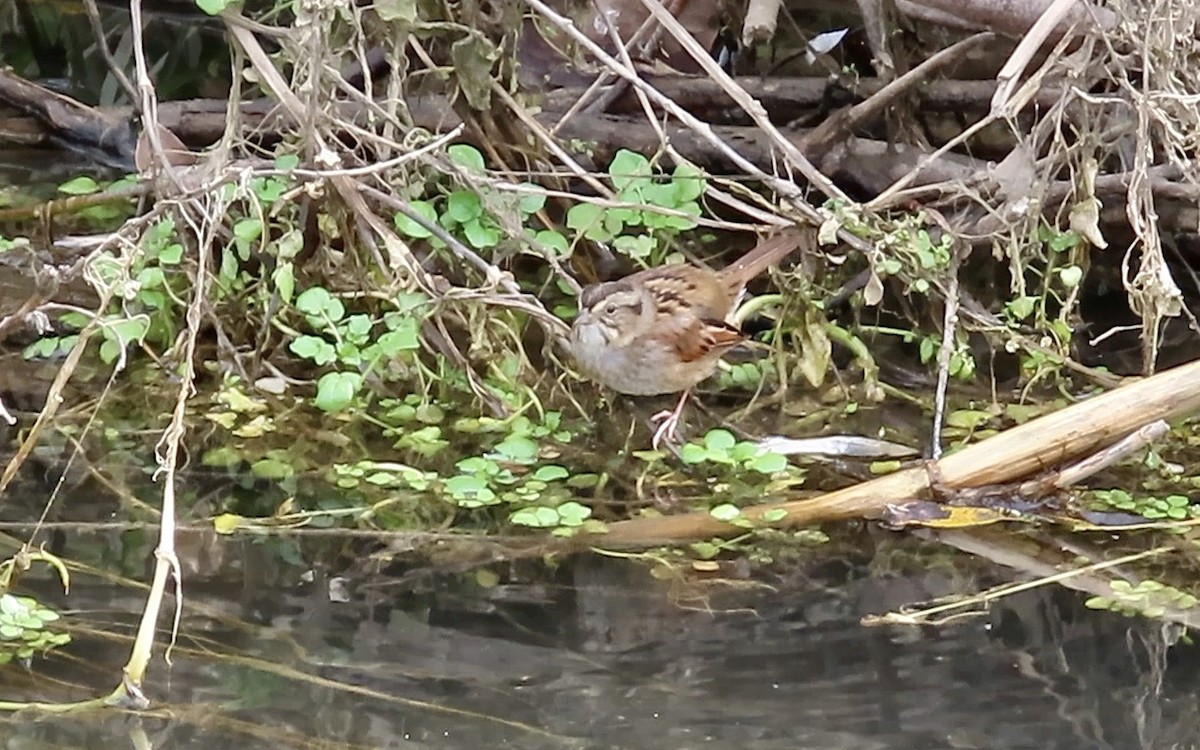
x: 706, y: 337
x: 692, y: 288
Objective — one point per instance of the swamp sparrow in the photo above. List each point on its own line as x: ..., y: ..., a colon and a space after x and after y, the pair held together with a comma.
x: 662, y: 330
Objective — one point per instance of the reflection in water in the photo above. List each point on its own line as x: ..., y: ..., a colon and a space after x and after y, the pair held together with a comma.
x: 598, y: 654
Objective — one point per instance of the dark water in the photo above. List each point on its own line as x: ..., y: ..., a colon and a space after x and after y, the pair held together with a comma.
x: 596, y: 653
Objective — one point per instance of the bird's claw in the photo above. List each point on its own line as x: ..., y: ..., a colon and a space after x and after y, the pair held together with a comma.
x: 669, y: 420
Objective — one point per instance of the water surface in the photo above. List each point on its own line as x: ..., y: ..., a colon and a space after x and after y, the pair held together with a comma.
x: 596, y: 653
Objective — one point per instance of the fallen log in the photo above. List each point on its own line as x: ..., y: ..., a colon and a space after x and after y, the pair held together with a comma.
x: 106, y: 137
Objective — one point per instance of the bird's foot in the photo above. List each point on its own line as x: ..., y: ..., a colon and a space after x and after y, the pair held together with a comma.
x: 669, y: 422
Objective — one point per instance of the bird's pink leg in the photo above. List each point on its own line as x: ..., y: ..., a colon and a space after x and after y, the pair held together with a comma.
x: 670, y: 420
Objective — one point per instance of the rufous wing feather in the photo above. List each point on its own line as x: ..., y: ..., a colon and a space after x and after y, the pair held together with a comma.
x: 705, y: 338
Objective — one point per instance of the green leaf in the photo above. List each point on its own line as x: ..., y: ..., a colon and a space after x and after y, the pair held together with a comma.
x: 659, y: 194
x: 319, y: 304
x: 531, y: 203
x: 1070, y: 276
x: 320, y: 351
x: 128, y: 330
x: 693, y: 454
x: 968, y: 418
x: 403, y: 12
x: 719, y: 441
x: 553, y: 240
x: 248, y: 230
x: 705, y: 550
x: 463, y: 206
x: 744, y: 451
x: 725, y: 512
x: 539, y: 517
x: 635, y: 245
x: 409, y: 227
x: 212, y: 7
x: 477, y: 464
x: 465, y: 485
x: 336, y: 390
x: 616, y: 219
x: 466, y: 156
x: 681, y: 223
x: 928, y: 348
x: 572, y: 513
x: 1022, y: 307
x: 284, y: 279
x: 518, y: 448
x: 151, y: 278
x: 769, y: 463
x: 43, y: 348
x: 550, y: 472
x: 400, y: 340
x: 627, y: 167
x: 82, y: 185
x: 480, y: 235
x: 271, y: 468
x: 470, y: 491
x: 583, y: 481
x: 1063, y: 241
x: 268, y: 189
x: 588, y: 220
x: 229, y: 265
x: 171, y: 254
x: 689, y: 183
x: 357, y: 328
x: 349, y: 354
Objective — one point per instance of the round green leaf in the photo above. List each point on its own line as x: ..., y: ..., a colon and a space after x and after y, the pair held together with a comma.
x: 719, y: 441
x: 769, y: 463
x: 319, y: 303
x: 466, y: 156
x: 572, y: 513
x: 518, y: 448
x: 627, y: 167
x: 410, y: 227
x: 531, y: 203
x: 725, y: 512
x: 336, y: 390
x: 463, y: 206
x: 538, y: 518
x: 550, y: 472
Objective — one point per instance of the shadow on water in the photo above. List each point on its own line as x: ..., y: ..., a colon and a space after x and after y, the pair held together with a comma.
x: 597, y: 653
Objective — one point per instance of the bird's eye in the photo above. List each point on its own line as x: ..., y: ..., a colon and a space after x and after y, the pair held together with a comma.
x: 610, y: 308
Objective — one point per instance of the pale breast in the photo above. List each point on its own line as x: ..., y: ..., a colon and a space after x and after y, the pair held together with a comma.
x: 643, y: 367
x: 640, y: 352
